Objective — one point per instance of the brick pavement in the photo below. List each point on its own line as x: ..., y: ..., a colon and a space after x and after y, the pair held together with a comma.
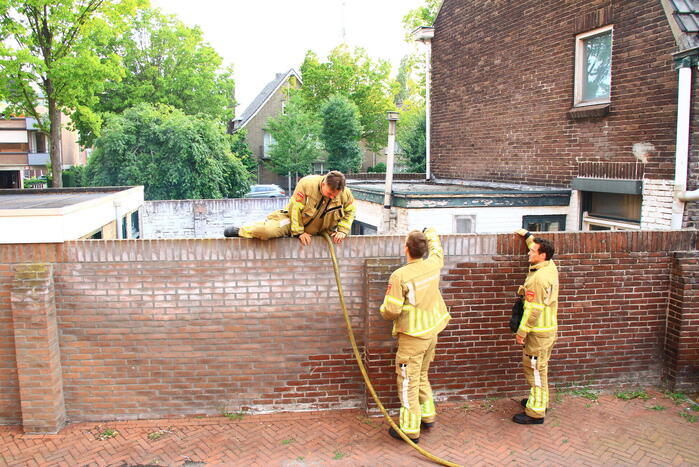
x: 578, y: 431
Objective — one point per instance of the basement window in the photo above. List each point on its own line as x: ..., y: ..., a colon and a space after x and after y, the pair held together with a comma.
x: 464, y: 224
x: 544, y: 223
x: 610, y: 211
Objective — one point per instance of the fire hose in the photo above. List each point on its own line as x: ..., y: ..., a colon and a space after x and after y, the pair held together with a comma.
x: 350, y: 334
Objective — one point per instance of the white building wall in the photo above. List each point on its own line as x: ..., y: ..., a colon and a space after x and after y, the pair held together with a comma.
x: 656, y: 210
x: 487, y: 219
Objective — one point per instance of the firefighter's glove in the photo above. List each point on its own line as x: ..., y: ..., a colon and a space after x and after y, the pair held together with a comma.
x: 522, y: 232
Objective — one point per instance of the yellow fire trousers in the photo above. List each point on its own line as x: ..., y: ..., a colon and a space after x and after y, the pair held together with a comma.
x: 276, y: 225
x: 535, y: 363
x: 412, y: 365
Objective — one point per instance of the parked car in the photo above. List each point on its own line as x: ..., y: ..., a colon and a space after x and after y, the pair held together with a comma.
x: 265, y: 191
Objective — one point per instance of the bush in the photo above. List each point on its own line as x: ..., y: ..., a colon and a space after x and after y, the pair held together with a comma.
x: 378, y: 168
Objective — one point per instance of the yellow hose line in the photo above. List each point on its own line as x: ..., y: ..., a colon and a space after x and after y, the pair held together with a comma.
x: 350, y: 334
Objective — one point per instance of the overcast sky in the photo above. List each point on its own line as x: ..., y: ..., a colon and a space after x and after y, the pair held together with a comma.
x: 263, y: 37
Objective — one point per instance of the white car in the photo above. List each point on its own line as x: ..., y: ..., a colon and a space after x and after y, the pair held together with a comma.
x: 265, y: 191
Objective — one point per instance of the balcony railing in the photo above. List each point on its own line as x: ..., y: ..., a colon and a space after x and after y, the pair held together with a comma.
x: 611, y: 170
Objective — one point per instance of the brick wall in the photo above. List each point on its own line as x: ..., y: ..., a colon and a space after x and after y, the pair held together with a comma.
x: 656, y: 210
x: 167, y: 328
x: 203, y: 218
x: 515, y: 117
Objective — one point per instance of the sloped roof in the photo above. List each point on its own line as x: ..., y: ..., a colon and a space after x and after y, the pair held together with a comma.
x: 262, y: 98
x: 683, y: 16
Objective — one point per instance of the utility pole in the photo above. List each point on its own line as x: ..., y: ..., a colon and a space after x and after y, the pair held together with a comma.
x: 388, y: 187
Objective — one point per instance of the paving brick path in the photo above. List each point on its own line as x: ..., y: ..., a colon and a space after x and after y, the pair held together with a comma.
x: 610, y: 431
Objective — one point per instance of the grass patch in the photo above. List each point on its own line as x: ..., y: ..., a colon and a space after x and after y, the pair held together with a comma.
x: 688, y: 416
x: 107, y: 433
x: 657, y: 407
x: 338, y: 454
x: 676, y: 397
x: 156, y: 435
x: 288, y: 441
x: 628, y: 395
x: 234, y: 416
x: 587, y: 393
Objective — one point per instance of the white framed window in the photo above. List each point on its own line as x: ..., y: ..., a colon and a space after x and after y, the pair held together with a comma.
x: 593, y: 66
x: 464, y: 224
x: 267, y: 142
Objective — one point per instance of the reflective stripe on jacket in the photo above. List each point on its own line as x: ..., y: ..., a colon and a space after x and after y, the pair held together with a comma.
x: 309, y: 211
x: 540, y: 292
x: 413, y: 300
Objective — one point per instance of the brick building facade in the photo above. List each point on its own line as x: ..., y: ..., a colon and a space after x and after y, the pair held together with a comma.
x: 505, y: 91
x: 166, y: 328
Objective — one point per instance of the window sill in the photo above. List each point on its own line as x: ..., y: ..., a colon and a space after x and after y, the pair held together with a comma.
x: 589, y: 111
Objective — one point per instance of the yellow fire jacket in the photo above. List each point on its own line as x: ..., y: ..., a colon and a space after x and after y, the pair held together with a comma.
x: 540, y: 293
x: 413, y: 300
x: 310, y: 212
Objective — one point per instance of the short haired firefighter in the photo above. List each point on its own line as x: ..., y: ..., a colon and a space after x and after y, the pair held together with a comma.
x: 538, y: 328
x: 419, y: 314
x: 320, y: 203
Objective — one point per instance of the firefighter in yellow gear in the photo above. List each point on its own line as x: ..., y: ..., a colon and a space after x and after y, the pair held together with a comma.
x: 538, y: 329
x: 419, y: 314
x: 320, y: 203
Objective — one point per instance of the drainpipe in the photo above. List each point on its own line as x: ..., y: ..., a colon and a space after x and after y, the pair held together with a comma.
x: 388, y: 186
x: 682, y: 148
x: 117, y: 218
x: 425, y: 34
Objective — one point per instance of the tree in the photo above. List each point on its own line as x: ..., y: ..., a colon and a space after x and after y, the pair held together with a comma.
x: 340, y: 134
x: 49, y: 55
x: 240, y: 149
x: 411, y: 135
x: 420, y: 16
x: 169, y: 63
x: 296, y: 141
x: 173, y: 155
x: 359, y: 79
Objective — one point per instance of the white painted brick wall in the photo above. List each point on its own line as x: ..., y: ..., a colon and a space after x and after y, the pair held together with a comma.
x: 656, y: 210
x: 488, y: 220
x: 204, y: 218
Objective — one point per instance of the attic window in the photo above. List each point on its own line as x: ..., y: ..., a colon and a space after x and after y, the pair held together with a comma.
x: 593, y: 67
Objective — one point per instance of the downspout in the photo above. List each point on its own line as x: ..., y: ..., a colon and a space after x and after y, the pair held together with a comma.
x: 684, y: 93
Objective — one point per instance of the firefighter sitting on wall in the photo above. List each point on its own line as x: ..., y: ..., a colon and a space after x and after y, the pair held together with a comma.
x: 419, y: 314
x: 319, y: 203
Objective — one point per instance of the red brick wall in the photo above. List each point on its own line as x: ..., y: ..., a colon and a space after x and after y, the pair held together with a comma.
x: 170, y: 328
x: 503, y: 86
x: 9, y: 387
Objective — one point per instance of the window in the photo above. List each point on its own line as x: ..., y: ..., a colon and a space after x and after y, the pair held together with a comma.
x: 268, y: 142
x: 464, y: 224
x: 319, y: 167
x: 545, y: 223
x: 135, y: 228
x: 361, y: 228
x: 611, y: 211
x: 593, y: 66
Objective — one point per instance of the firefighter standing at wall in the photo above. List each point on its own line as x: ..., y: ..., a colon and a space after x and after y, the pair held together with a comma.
x: 319, y: 203
x: 538, y: 328
x: 419, y: 314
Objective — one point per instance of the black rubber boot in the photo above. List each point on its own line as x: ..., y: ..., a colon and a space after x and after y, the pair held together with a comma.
x: 524, y: 419
x: 395, y: 434
x: 231, y: 231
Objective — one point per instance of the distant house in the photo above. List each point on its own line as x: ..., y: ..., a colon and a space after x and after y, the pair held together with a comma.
x: 25, y: 152
x: 591, y: 97
x: 269, y: 103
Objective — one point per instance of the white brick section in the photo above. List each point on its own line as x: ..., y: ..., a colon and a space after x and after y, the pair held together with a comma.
x: 488, y: 220
x: 656, y: 210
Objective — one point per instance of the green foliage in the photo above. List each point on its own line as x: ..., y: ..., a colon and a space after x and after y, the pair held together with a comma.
x: 296, y: 139
x: 240, y: 149
x: 411, y: 134
x: 420, y: 16
x: 587, y: 393
x: 107, y: 433
x: 234, y: 416
x: 51, y: 55
x: 169, y: 63
x: 357, y: 77
x: 74, y: 176
x: 688, y: 416
x: 658, y: 407
x: 677, y: 397
x: 340, y: 134
x: 173, y: 155
x: 378, y: 168
x: 628, y: 395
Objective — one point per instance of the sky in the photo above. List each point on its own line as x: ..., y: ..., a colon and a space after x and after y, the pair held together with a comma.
x: 263, y: 37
